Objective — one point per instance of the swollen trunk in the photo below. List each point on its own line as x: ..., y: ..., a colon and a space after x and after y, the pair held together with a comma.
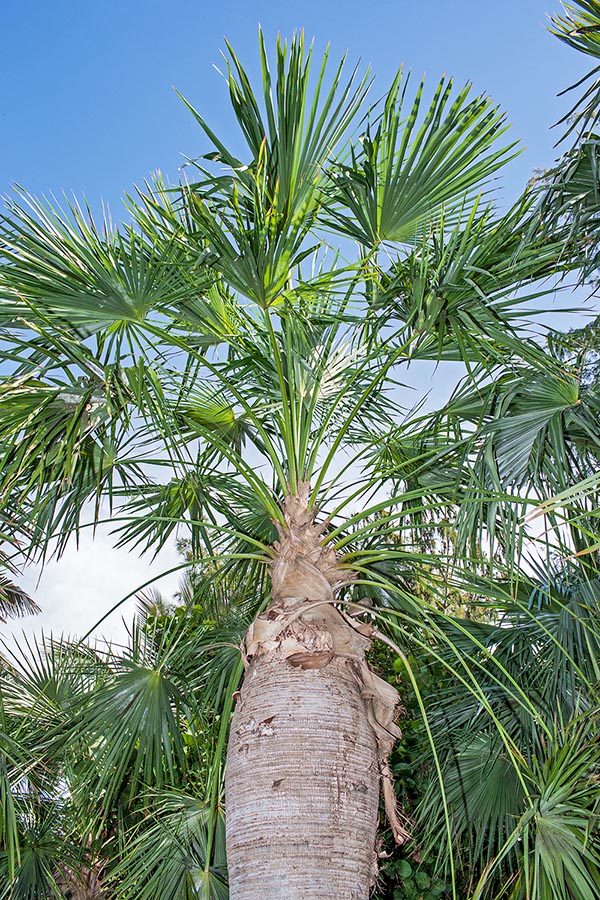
x: 302, y: 785
x: 309, y: 738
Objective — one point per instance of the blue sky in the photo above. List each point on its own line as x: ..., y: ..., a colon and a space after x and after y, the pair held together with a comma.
x: 86, y: 98
x: 87, y: 105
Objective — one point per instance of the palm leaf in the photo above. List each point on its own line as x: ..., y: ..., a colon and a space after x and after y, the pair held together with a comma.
x: 411, y: 167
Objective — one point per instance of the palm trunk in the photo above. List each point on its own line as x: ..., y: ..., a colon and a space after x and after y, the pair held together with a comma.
x: 83, y: 884
x: 302, y: 785
x: 309, y: 738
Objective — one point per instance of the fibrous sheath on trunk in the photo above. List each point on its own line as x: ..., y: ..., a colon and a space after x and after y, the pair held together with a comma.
x: 309, y: 738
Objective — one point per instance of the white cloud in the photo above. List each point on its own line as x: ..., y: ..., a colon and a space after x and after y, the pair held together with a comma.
x: 77, y: 590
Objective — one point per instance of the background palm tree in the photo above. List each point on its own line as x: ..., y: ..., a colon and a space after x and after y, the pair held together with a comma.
x: 90, y: 727
x: 14, y: 601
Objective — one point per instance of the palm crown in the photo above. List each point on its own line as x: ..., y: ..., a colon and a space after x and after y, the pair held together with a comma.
x: 215, y: 326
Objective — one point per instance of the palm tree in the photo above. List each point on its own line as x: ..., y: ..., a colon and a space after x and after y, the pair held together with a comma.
x: 14, y: 601
x: 220, y: 368
x: 569, y: 191
x: 83, y: 722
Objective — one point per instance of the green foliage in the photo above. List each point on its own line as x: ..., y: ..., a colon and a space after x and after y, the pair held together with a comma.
x: 118, y: 776
x: 186, y: 371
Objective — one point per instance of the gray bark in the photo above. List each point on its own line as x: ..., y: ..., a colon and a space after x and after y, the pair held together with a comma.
x: 310, y: 736
x: 302, y: 785
x: 83, y: 884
